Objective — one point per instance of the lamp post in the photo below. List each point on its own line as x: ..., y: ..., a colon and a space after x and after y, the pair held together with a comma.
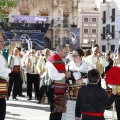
x: 108, y: 37
x: 93, y: 41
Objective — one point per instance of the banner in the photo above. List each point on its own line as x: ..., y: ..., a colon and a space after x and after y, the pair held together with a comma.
x: 117, y: 23
x: 29, y: 40
x: 29, y: 19
x: 75, y: 38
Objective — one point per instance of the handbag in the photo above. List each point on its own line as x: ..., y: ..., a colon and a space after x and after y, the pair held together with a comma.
x: 60, y: 88
x: 3, y: 88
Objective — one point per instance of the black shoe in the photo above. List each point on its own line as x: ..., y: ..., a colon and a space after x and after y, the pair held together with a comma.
x: 15, y: 98
x: 21, y: 95
x: 29, y: 98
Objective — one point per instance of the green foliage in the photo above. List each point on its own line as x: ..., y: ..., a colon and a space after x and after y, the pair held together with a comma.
x: 108, y: 43
x: 8, y: 4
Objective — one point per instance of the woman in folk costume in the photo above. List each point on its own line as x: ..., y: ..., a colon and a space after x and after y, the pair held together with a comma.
x: 41, y: 71
x: 97, y: 61
x: 79, y: 69
x: 113, y: 78
x: 57, y: 73
x: 4, y: 71
x: 43, y: 75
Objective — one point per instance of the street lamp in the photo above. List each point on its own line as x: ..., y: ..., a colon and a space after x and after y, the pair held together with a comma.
x: 93, y: 41
x: 108, y: 37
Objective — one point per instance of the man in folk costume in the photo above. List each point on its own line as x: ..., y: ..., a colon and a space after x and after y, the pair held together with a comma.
x: 97, y: 60
x: 92, y: 100
x: 57, y: 72
x: 4, y: 71
x: 32, y: 75
x: 14, y: 62
x: 22, y: 74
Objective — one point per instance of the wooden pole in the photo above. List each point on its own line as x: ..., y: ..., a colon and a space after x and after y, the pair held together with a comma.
x: 113, y: 111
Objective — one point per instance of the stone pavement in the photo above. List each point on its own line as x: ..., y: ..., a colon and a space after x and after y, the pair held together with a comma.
x: 30, y: 110
x: 26, y: 110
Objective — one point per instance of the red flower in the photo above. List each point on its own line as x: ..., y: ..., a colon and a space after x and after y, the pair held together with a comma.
x: 113, y: 76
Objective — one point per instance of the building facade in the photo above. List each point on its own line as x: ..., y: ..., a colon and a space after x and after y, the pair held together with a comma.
x: 109, y: 10
x: 62, y: 15
x: 89, y: 17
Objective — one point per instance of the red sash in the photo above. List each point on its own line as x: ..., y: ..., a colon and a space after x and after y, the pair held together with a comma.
x: 99, y: 114
x: 58, y: 63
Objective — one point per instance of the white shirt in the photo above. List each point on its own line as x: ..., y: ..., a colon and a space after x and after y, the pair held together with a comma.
x: 16, y: 60
x: 53, y: 72
x: 83, y: 68
x: 93, y: 59
x: 4, y: 70
x: 33, y: 62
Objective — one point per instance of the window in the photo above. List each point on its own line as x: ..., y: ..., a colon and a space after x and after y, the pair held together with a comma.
x: 104, y: 1
x: 112, y: 47
x: 93, y: 30
x: 103, y: 30
x: 85, y: 30
x: 93, y: 19
x: 113, y: 28
x: 113, y: 12
x: 104, y: 17
x: 85, y: 40
x: 103, y: 34
x: 113, y: 15
x: 103, y: 48
x: 113, y: 31
x: 85, y: 19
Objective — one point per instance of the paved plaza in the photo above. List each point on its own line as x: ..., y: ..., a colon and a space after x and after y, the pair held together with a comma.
x: 30, y: 110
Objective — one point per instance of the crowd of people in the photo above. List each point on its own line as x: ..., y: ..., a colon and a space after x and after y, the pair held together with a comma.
x: 54, y: 73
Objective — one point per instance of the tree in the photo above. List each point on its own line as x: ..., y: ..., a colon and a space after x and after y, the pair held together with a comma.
x: 6, y: 4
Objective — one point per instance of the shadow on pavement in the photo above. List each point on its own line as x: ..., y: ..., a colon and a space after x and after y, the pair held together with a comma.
x: 30, y: 107
x: 14, y: 118
x: 9, y: 113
